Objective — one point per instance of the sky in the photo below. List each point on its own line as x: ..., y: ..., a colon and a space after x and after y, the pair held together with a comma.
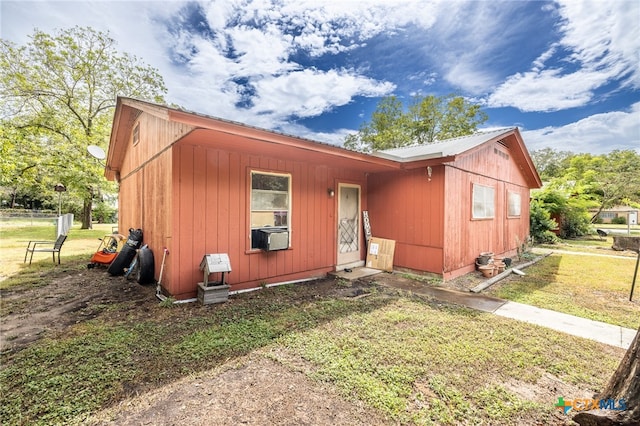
x: 567, y: 73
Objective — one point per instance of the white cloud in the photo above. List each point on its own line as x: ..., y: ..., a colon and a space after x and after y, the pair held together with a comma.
x: 603, y: 41
x: 264, y: 36
x: 469, y: 40
x: 309, y: 93
x: 597, y: 134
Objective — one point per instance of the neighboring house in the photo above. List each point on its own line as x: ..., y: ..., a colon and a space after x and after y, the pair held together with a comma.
x: 287, y: 209
x: 630, y: 214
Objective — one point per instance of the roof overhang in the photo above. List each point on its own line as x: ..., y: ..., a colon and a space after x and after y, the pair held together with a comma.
x: 233, y: 136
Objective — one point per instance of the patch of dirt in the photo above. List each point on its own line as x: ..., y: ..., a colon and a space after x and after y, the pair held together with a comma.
x: 254, y: 390
x: 29, y: 314
x: 546, y: 389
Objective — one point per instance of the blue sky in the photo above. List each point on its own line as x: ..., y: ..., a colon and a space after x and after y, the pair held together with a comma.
x: 567, y: 72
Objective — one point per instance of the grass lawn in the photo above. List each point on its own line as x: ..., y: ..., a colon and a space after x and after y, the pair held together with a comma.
x: 424, y: 365
x: 594, y: 287
x: 15, y: 235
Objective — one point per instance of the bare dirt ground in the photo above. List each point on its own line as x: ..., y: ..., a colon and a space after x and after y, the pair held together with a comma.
x: 251, y: 390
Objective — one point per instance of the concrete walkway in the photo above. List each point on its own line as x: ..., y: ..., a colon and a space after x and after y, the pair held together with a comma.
x: 599, y: 331
x: 582, y: 327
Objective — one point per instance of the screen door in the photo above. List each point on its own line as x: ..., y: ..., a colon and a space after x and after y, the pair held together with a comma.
x: 348, y: 224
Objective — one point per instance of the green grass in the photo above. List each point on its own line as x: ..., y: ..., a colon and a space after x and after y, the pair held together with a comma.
x: 423, y: 365
x: 594, y: 287
x: 15, y: 235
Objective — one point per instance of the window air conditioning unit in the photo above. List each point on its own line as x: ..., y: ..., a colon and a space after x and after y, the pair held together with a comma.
x: 272, y: 239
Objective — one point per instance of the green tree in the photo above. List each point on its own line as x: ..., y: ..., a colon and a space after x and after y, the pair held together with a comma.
x: 426, y: 120
x: 57, y: 98
x: 388, y: 123
x: 551, y: 163
x: 607, y: 180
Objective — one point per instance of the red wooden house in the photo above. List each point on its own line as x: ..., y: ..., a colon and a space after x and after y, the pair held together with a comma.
x: 287, y: 209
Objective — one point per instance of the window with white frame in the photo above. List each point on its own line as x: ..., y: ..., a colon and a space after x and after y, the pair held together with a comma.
x: 513, y: 204
x: 270, y: 201
x: 483, y: 201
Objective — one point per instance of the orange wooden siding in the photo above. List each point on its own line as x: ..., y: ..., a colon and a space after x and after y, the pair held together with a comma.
x: 211, y: 192
x: 406, y: 207
x: 431, y: 220
x: 468, y: 237
x: 145, y: 198
x: 186, y: 183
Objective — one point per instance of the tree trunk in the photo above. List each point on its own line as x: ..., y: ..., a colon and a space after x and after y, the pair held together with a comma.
x: 86, y: 213
x: 623, y: 385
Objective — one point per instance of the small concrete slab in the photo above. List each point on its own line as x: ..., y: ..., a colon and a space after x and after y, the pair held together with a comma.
x: 356, y: 273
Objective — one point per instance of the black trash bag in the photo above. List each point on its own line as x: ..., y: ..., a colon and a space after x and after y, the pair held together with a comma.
x: 127, y: 253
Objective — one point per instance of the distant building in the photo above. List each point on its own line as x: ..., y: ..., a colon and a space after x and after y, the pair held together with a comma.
x: 630, y: 215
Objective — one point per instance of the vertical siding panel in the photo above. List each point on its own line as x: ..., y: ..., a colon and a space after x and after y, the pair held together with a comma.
x: 223, y: 205
x: 298, y: 217
x: 211, y: 204
x: 312, y: 227
x: 223, y: 202
x: 303, y: 213
x: 235, y: 216
x: 186, y: 219
x: 332, y: 230
x: 287, y: 255
x: 321, y: 218
x: 244, y: 266
x: 199, y: 208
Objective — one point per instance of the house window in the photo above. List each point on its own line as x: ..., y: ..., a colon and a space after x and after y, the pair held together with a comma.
x: 513, y: 204
x: 136, y: 134
x: 270, y: 202
x: 483, y: 202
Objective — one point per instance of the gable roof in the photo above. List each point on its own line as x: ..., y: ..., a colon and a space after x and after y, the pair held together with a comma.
x: 449, y: 150
x: 440, y: 149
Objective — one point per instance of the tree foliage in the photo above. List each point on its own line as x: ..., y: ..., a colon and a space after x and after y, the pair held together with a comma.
x: 541, y: 225
x: 58, y: 94
x: 426, y: 120
x: 579, y: 186
x: 551, y: 163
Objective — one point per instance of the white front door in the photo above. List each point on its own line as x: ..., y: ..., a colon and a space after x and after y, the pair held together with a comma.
x: 349, y: 232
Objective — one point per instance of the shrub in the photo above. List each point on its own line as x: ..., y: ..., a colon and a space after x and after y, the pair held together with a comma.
x: 575, y: 220
x: 541, y: 224
x: 619, y: 220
